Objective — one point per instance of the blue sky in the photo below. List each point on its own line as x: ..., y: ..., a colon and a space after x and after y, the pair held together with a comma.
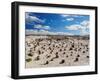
x: 50, y: 23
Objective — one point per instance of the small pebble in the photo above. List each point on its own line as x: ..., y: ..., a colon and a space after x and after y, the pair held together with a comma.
x: 30, y: 54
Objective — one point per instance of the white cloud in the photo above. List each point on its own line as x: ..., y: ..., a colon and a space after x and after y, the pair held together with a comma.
x: 71, y: 15
x: 40, y: 32
x: 73, y: 27
x: 65, y: 15
x: 30, y: 18
x: 37, y: 26
x: 45, y: 32
x: 69, y: 19
x: 30, y: 31
x: 42, y: 26
x: 85, y: 26
x: 46, y: 27
x: 82, y: 27
x: 85, y: 23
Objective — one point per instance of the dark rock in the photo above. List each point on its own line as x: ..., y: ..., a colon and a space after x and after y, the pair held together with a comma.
x: 83, y: 51
x: 62, y: 61
x: 70, y: 49
x: 37, y: 58
x: 78, y: 55
x: 63, y: 52
x: 28, y: 60
x: 67, y: 56
x: 30, y: 54
x: 76, y: 60
x: 73, y: 45
x: 46, y: 63
x: 48, y: 56
x: 87, y: 56
x: 39, y: 52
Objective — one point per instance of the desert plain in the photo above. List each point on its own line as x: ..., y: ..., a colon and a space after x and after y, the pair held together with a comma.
x: 54, y: 51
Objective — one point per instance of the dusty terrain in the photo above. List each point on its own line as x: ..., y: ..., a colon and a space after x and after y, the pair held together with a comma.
x: 52, y: 51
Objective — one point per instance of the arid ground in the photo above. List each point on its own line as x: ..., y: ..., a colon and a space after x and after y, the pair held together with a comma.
x: 53, y: 51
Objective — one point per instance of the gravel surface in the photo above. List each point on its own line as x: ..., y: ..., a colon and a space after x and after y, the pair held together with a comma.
x: 53, y: 51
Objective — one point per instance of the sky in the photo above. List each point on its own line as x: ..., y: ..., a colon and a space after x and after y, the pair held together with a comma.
x: 59, y: 24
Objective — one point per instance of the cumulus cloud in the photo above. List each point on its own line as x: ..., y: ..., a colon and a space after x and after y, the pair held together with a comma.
x: 71, y: 15
x: 30, y: 18
x: 39, y: 26
x: 37, y: 32
x: 85, y: 23
x: 45, y: 32
x: 73, y: 27
x: 65, y: 15
x: 69, y: 19
x: 46, y: 27
x: 83, y: 27
x: 30, y: 31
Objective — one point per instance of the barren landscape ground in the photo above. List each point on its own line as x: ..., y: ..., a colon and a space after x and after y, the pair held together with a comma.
x: 53, y: 51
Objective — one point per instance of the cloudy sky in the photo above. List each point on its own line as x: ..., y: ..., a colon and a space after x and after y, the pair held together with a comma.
x: 66, y: 24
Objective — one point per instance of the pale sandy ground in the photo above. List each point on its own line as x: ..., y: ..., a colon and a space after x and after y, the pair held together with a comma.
x: 47, y: 51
